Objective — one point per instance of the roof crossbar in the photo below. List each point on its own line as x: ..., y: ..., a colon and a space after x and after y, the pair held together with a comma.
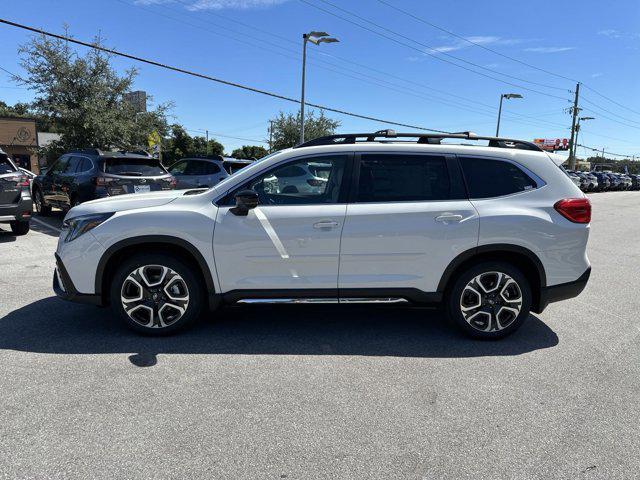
x: 426, y: 138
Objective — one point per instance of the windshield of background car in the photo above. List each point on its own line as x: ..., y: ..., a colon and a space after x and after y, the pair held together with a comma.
x: 139, y: 167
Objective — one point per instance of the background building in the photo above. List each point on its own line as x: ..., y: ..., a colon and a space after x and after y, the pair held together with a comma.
x: 18, y: 138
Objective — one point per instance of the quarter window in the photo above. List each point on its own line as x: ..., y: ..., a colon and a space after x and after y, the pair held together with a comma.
x: 402, y: 178
x: 494, y: 178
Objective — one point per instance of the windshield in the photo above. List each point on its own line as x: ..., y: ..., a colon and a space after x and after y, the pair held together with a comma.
x: 137, y: 167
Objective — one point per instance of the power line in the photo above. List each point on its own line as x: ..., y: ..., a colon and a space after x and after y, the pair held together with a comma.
x: 471, y: 42
x: 599, y: 150
x: 208, y: 77
x: 611, y: 100
x: 214, y: 134
x: 436, y: 56
x: 376, y: 81
x: 609, y: 111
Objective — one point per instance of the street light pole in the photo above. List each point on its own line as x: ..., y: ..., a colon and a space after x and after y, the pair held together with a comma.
x: 507, y: 96
x: 316, y: 38
x: 305, y: 39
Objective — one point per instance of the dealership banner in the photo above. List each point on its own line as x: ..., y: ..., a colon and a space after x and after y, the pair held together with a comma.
x: 552, y: 144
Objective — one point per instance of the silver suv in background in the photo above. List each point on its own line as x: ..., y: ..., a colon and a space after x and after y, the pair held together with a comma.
x: 15, y: 198
x: 198, y: 172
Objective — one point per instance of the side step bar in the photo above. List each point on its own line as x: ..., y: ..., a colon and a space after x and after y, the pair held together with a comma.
x: 320, y: 300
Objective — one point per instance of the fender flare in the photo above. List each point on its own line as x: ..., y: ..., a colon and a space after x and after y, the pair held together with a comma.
x: 491, y: 248
x: 141, y: 240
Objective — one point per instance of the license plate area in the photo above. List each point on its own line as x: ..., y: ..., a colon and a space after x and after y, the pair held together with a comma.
x: 141, y: 188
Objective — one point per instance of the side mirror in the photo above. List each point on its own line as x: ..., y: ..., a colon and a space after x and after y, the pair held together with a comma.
x: 245, y: 201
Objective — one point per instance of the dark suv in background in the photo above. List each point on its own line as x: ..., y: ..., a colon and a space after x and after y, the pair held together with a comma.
x: 15, y: 199
x: 84, y: 175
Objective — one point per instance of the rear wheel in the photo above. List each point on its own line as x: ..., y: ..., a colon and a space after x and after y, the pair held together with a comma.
x: 38, y: 200
x: 156, y: 294
x: 490, y: 300
x: 19, y: 228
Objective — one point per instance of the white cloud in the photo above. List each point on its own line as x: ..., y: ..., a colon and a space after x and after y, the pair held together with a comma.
x: 218, y: 4
x: 596, y: 75
x: 479, y: 39
x: 549, y: 49
x: 612, y: 33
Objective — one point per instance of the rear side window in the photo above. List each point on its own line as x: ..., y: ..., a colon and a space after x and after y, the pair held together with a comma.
x: 72, y: 165
x: 137, y: 167
x: 5, y: 166
x: 402, y: 178
x: 494, y: 178
x: 199, y: 167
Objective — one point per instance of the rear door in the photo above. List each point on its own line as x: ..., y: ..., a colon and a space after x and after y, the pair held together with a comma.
x: 66, y: 180
x: 407, y: 220
x: 179, y: 171
x: 9, y: 180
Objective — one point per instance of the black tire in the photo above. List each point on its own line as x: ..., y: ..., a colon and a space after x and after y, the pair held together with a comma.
x: 194, y: 291
x: 19, y: 227
x: 39, y: 204
x: 491, y: 303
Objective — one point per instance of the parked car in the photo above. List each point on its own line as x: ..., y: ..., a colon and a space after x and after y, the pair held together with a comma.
x: 30, y: 176
x: 84, y: 175
x: 15, y: 198
x: 491, y: 233
x: 232, y: 165
x: 198, y: 172
x: 635, y: 181
x: 577, y: 181
x: 616, y: 181
x: 626, y: 179
x: 603, y: 180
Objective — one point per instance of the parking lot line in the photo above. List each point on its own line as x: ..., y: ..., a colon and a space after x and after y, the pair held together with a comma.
x: 45, y: 224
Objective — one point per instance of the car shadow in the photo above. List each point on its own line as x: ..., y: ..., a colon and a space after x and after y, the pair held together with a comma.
x: 51, y: 325
x: 53, y: 222
x: 7, y: 236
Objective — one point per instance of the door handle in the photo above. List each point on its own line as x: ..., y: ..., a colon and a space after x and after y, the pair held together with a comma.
x: 325, y: 224
x: 447, y: 218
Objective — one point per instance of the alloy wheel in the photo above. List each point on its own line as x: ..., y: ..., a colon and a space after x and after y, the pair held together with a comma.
x: 491, y: 301
x: 154, y: 296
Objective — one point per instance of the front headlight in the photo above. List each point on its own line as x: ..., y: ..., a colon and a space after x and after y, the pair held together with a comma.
x: 77, y: 226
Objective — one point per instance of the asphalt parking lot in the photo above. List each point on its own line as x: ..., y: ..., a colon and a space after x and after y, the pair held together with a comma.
x: 306, y: 393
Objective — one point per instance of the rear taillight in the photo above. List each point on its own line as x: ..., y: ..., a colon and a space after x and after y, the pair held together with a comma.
x: 172, y: 182
x: 103, y: 181
x: 23, y: 181
x: 315, y: 182
x: 576, y: 210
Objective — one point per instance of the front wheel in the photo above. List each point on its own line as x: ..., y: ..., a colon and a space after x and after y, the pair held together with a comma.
x: 156, y: 294
x: 41, y: 208
x: 490, y: 300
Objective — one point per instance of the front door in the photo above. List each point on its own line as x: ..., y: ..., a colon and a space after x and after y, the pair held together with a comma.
x: 291, y: 240
x: 409, y: 218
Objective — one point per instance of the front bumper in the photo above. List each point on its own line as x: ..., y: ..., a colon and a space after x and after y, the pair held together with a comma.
x: 562, y: 291
x: 65, y: 289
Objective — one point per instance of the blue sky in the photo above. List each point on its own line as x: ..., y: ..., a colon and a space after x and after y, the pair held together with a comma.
x: 401, y: 75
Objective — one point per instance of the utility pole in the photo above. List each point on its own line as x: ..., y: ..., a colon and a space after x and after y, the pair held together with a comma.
x: 305, y: 38
x: 270, y: 136
x: 572, y: 142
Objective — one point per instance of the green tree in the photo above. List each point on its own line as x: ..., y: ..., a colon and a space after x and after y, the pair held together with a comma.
x: 249, y: 151
x: 83, y: 96
x: 180, y: 144
x: 286, y: 128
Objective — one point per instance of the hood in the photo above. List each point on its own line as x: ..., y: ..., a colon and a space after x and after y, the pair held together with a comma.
x: 121, y: 203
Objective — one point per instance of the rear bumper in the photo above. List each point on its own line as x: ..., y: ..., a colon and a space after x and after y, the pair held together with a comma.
x: 563, y: 291
x: 65, y: 289
x: 20, y: 211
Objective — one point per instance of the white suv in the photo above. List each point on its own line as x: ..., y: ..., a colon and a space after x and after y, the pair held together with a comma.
x: 492, y: 232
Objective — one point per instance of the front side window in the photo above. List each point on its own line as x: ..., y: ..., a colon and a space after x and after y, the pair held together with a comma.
x: 295, y: 183
x: 402, y: 178
x: 60, y: 165
x: 72, y: 165
x: 488, y: 178
x: 178, y: 168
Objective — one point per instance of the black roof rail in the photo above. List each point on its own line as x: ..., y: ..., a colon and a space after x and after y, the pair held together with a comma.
x: 88, y: 151
x: 426, y: 138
